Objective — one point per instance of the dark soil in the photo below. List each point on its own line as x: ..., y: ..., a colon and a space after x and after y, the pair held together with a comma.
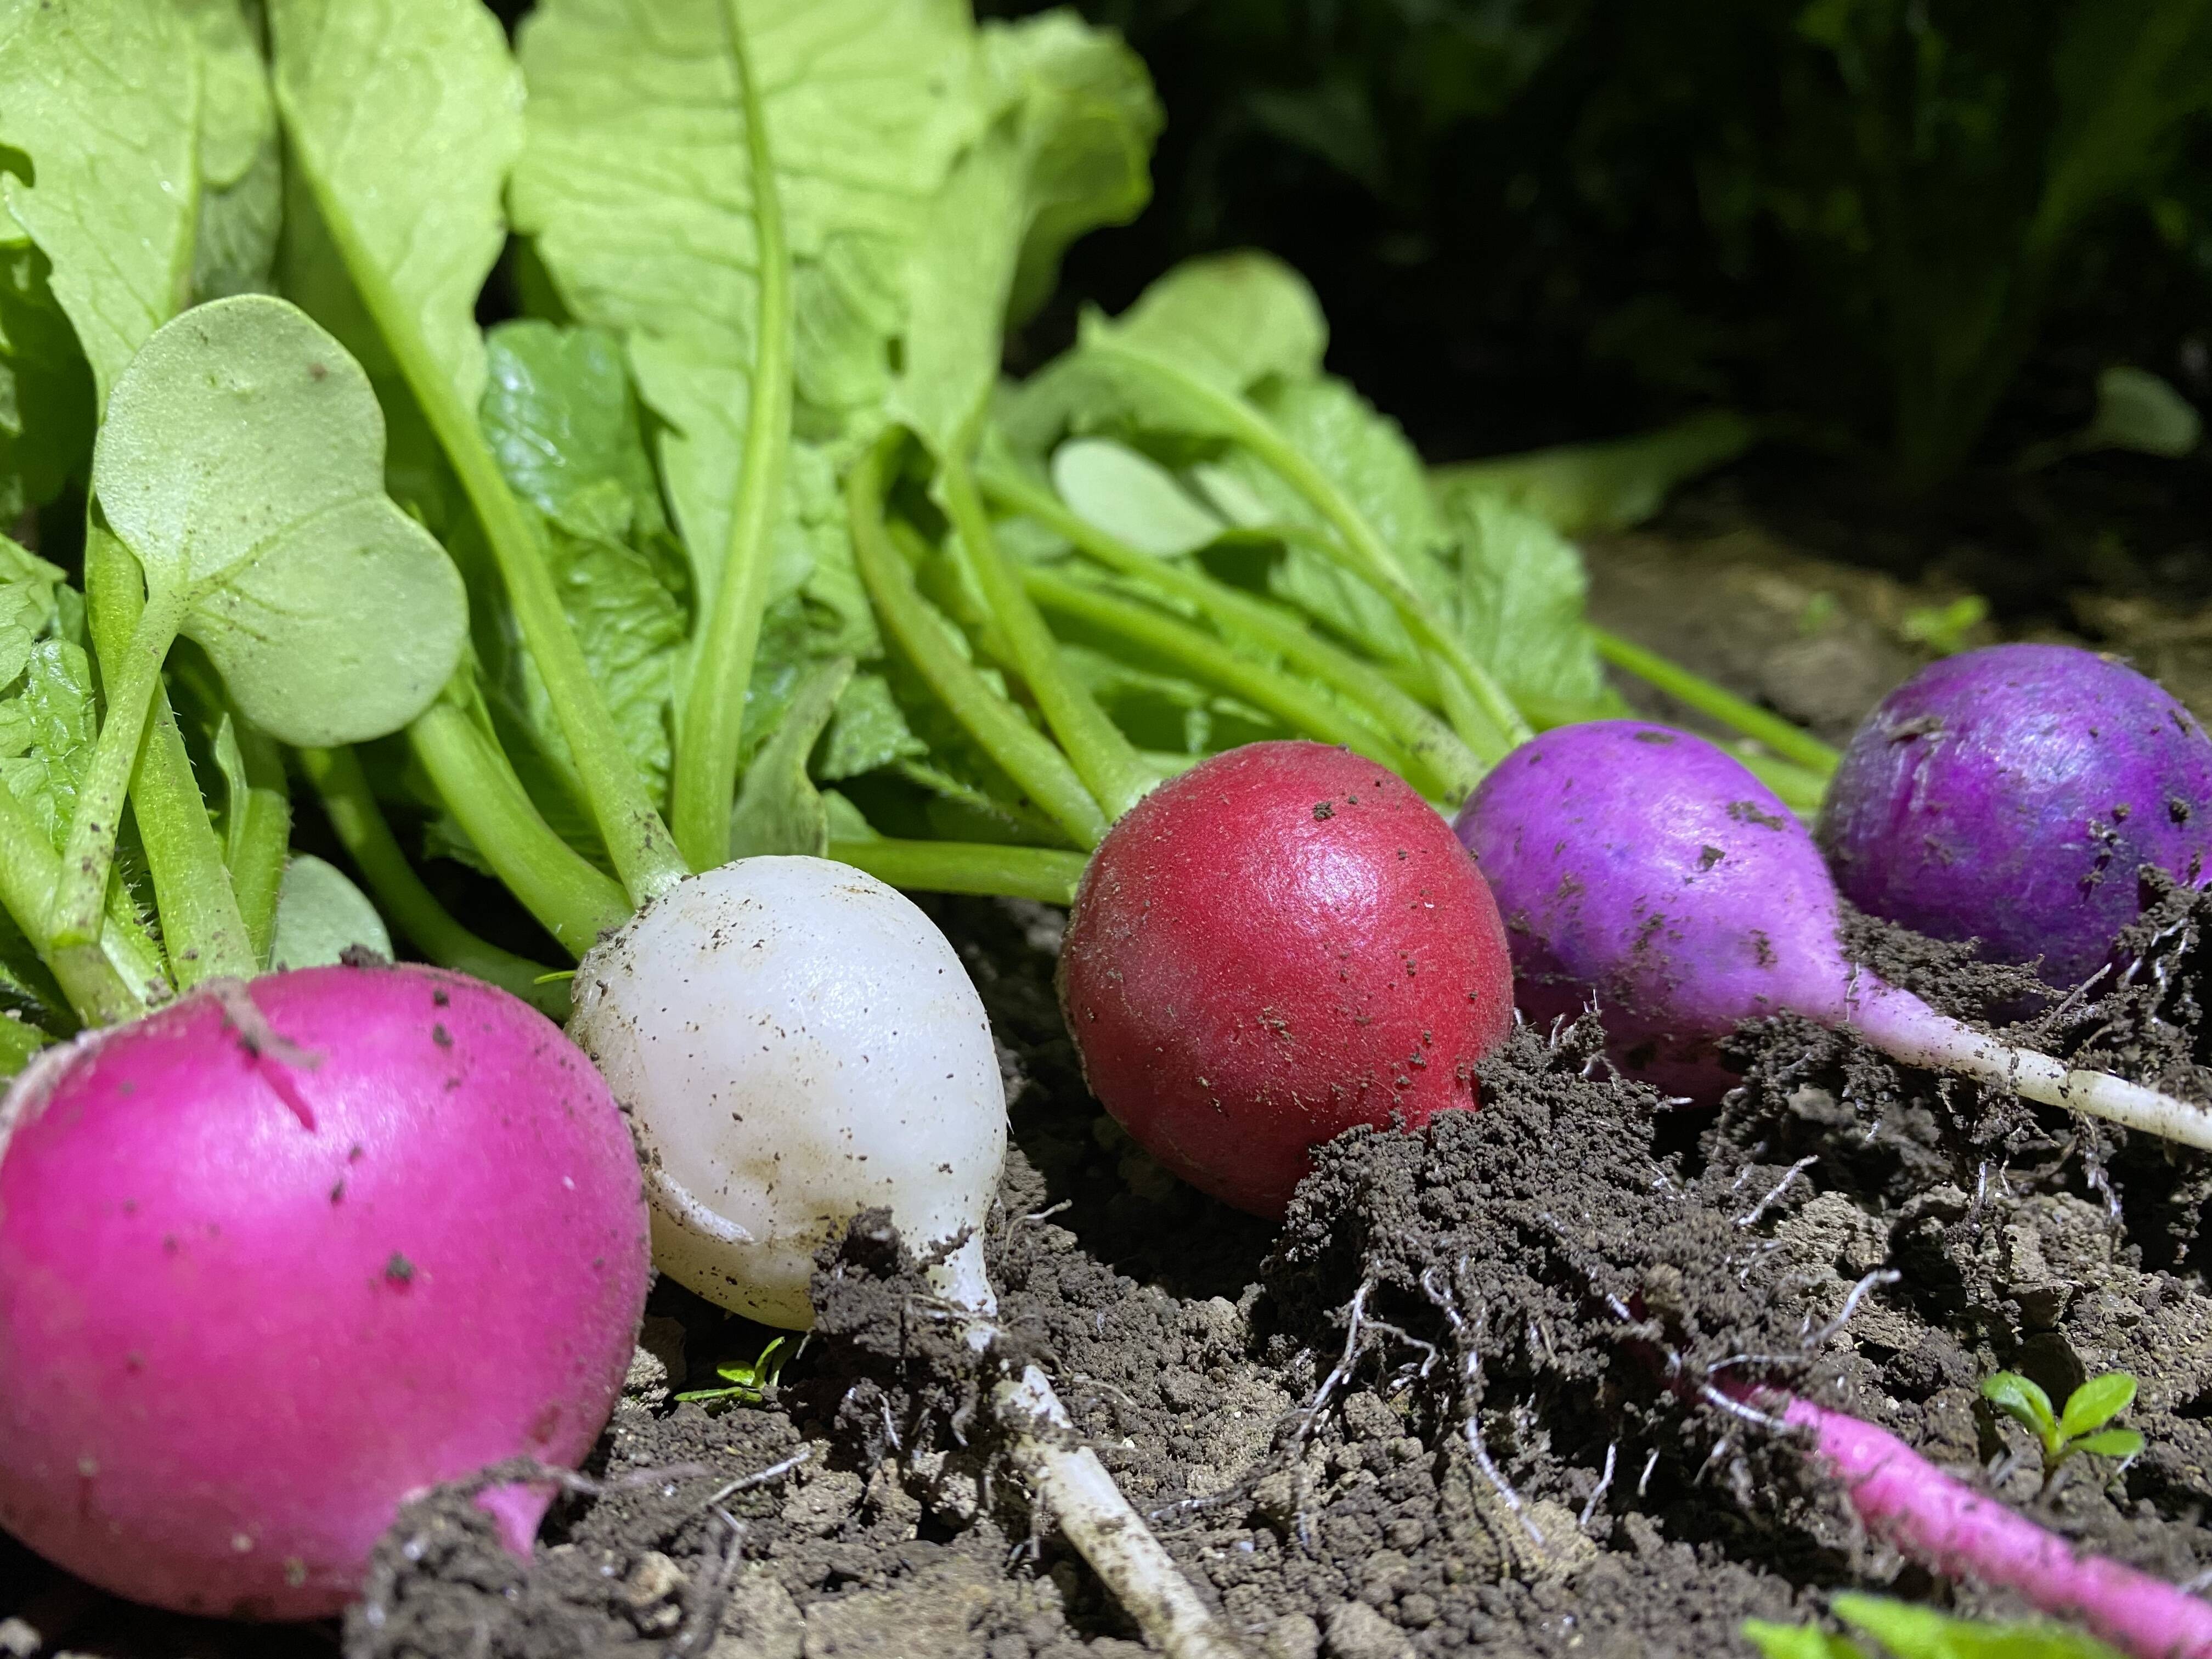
x: 1432, y: 1411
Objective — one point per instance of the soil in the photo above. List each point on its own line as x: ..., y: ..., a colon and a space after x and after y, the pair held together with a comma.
x: 1412, y: 1418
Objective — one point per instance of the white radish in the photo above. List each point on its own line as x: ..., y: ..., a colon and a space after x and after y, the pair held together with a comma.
x: 794, y: 1042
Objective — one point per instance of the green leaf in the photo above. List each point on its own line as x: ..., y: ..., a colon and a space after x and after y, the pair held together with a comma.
x: 2095, y: 1403
x: 778, y: 809
x: 1236, y: 319
x: 1798, y: 1641
x: 867, y: 731
x: 243, y: 463
x: 105, y: 100
x: 565, y: 429
x: 1073, y: 119
x: 321, y: 915
x: 406, y: 147
x: 237, y: 788
x: 45, y: 386
x: 1132, y: 497
x: 641, y: 208
x: 1522, y: 593
x: 1603, y: 486
x: 561, y: 419
x: 2110, y: 1442
x: 2024, y: 1402
x: 2138, y: 411
x: 1916, y: 1633
x: 241, y: 178
x: 47, y: 730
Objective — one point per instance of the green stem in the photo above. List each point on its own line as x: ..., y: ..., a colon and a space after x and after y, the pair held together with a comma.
x: 1442, y: 765
x: 258, y: 844
x: 1204, y: 657
x: 967, y: 866
x: 1478, y: 706
x: 1790, y: 742
x: 351, y: 807
x: 104, y: 986
x: 257, y: 872
x: 18, y: 1043
x: 1105, y: 760
x: 707, y: 738
x: 1022, y: 752
x: 88, y: 848
x: 639, y: 843
x: 570, y: 898
x: 202, y: 927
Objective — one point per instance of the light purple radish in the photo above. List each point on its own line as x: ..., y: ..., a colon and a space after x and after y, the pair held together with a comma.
x: 1643, y: 866
x: 2010, y: 795
x: 268, y: 1266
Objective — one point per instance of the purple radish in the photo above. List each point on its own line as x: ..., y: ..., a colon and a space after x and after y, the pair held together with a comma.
x: 278, y: 1255
x: 2010, y: 795
x: 1645, y: 867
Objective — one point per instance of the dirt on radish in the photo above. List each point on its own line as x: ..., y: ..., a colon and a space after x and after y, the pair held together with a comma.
x: 1191, y: 1343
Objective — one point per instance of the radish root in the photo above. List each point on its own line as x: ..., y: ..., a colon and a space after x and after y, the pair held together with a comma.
x: 1099, y: 1522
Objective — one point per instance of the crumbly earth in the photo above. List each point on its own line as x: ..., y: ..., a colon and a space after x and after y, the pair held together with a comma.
x: 1431, y: 1413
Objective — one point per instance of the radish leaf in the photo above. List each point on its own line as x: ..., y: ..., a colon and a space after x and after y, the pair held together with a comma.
x: 241, y: 463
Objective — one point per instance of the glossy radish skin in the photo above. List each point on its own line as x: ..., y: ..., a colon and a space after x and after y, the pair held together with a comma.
x: 2011, y: 795
x: 1644, y: 866
x: 1280, y: 943
x: 248, y: 1303
x: 795, y: 1043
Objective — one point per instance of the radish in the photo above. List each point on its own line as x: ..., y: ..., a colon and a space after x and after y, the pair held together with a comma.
x: 1281, y: 943
x: 2009, y: 795
x: 793, y: 1043
x: 1645, y: 867
x: 279, y: 1255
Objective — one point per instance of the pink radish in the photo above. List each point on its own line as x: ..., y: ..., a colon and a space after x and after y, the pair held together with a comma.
x: 279, y: 1255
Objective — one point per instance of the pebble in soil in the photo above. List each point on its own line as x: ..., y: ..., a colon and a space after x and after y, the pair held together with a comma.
x: 1328, y: 1492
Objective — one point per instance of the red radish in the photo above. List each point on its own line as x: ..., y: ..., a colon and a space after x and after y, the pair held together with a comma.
x: 273, y: 1258
x: 1283, y: 942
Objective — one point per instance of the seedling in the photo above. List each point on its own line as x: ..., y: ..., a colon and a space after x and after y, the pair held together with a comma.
x: 747, y: 1384
x: 2082, y: 1427
x: 1912, y: 1632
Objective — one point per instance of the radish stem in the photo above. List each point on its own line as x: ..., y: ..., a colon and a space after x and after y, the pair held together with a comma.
x: 1105, y: 759
x: 350, y: 806
x: 203, y: 925
x: 1026, y: 755
x: 1479, y: 709
x: 955, y: 866
x: 1791, y: 743
x: 569, y: 896
x: 639, y: 845
x: 1303, y: 710
x: 707, y: 738
x: 1447, y: 768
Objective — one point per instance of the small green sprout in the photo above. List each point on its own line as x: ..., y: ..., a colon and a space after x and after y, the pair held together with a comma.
x: 1943, y: 629
x: 2079, y: 1428
x: 1913, y: 1632
x: 748, y: 1384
